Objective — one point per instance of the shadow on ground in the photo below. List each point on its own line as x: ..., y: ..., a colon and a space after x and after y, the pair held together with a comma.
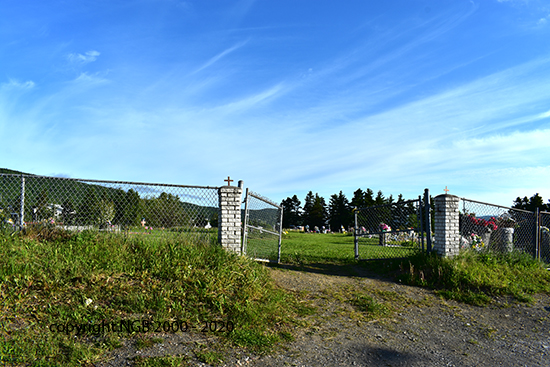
x: 377, y: 269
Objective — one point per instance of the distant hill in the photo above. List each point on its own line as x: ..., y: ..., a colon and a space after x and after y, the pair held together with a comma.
x: 82, y: 198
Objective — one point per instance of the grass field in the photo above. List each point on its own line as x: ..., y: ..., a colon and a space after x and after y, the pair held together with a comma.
x: 58, y: 289
x: 303, y: 248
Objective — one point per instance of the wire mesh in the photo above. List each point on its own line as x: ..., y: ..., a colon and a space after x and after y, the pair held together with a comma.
x: 262, y: 228
x: 131, y: 208
x: 388, y: 231
x: 545, y: 236
x: 502, y: 229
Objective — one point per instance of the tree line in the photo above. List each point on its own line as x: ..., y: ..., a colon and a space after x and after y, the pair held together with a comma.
x: 532, y: 203
x: 100, y: 206
x: 337, y: 213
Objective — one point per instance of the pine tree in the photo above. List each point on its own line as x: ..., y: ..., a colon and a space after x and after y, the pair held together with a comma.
x: 339, y: 211
x: 308, y: 207
x: 531, y: 204
x: 291, y: 211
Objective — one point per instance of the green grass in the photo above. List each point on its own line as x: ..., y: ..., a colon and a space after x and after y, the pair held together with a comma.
x: 472, y: 277
x: 91, y: 278
x: 476, y: 278
x: 367, y: 304
x: 308, y: 248
x: 338, y: 248
x: 55, y: 278
x: 262, y: 246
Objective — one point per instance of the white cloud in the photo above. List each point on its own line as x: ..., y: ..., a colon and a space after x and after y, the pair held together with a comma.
x: 14, y: 84
x: 88, y: 57
x: 544, y: 20
x: 89, y: 79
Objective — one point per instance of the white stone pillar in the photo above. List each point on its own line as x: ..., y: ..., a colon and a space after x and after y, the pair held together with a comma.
x: 446, y: 231
x: 229, y: 217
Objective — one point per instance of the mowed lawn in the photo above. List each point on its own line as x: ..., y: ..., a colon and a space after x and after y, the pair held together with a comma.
x: 300, y: 247
x: 306, y: 248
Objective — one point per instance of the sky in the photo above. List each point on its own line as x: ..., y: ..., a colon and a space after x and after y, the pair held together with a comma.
x: 288, y: 96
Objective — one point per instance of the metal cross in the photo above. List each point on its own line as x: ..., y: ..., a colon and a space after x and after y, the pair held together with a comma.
x: 446, y: 190
x: 229, y: 180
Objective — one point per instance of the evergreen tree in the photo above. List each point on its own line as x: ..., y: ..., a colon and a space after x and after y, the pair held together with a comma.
x: 358, y: 199
x: 362, y: 198
x: 531, y: 204
x: 339, y: 211
x: 315, y: 211
x: 318, y: 212
x: 380, y: 199
x: 291, y: 211
x: 308, y: 207
x: 369, y: 197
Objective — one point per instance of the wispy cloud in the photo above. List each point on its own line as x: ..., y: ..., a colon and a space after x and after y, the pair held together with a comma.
x: 219, y: 56
x: 544, y: 21
x: 15, y: 84
x: 87, y: 57
x: 87, y: 79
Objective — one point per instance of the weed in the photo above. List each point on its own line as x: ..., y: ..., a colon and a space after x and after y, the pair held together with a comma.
x: 367, y: 304
x: 208, y: 356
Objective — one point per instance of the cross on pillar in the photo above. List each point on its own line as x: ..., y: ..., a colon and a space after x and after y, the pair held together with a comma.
x: 229, y: 180
x: 446, y: 190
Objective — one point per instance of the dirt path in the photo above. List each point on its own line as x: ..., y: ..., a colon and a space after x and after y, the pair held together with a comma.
x: 422, y: 330
x: 419, y: 330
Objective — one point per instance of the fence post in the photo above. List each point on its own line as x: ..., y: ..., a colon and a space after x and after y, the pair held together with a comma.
x: 427, y: 208
x: 22, y: 207
x: 355, y: 237
x: 229, y: 214
x: 537, y: 234
x: 245, y: 223
x: 421, y: 222
x: 280, y: 237
x: 447, y: 231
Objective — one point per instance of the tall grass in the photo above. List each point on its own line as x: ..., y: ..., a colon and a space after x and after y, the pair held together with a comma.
x: 91, y: 278
x: 472, y: 277
x: 476, y: 277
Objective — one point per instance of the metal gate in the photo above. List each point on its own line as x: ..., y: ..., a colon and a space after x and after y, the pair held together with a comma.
x: 394, y: 230
x: 262, y: 229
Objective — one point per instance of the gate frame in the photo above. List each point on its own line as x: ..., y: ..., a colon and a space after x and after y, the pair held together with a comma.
x: 246, y: 225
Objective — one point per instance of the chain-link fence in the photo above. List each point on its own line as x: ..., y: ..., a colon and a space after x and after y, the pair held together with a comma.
x: 28, y: 201
x: 388, y: 231
x: 497, y: 227
x: 262, y: 228
x: 544, y: 236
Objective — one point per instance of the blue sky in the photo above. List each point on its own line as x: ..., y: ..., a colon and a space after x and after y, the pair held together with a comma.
x: 289, y: 96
